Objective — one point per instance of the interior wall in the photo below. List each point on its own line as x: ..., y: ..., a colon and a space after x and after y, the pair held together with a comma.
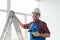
x: 50, y: 13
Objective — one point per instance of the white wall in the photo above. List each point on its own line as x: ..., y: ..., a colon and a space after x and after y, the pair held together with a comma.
x: 50, y: 13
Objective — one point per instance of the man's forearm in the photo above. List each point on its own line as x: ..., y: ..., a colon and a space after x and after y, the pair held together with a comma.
x: 41, y: 34
x: 45, y: 35
x: 20, y: 23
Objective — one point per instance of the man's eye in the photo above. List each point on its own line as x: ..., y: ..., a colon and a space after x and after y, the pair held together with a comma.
x: 36, y: 14
x: 33, y: 14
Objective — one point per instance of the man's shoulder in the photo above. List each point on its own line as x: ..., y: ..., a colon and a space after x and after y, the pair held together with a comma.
x: 42, y: 22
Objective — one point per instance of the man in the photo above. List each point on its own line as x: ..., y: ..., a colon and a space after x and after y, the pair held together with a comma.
x: 41, y: 31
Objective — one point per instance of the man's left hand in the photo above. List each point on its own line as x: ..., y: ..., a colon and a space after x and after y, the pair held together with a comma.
x: 36, y: 33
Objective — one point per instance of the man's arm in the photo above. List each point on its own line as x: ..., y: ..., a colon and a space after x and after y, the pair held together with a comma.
x: 44, y: 28
x: 45, y: 35
x: 26, y: 26
x: 41, y: 34
x: 20, y: 23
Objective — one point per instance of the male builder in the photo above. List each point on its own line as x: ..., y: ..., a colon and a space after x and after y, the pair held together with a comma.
x: 38, y: 29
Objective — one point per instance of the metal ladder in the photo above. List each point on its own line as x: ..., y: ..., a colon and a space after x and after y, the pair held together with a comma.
x: 11, y: 19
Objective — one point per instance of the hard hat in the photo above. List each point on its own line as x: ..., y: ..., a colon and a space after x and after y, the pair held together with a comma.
x: 36, y: 10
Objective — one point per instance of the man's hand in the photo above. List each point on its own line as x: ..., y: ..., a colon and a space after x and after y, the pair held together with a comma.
x: 36, y: 33
x: 42, y: 35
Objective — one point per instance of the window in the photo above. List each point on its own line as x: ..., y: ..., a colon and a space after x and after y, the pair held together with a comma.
x: 3, y: 4
x: 24, y: 6
x: 29, y: 19
x: 2, y: 21
x: 19, y: 6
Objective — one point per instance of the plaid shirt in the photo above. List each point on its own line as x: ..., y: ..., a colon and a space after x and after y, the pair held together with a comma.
x: 42, y: 27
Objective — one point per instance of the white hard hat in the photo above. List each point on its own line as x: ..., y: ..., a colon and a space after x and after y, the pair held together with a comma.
x: 36, y: 10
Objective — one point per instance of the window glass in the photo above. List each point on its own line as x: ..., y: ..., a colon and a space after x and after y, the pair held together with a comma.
x: 3, y: 4
x: 2, y: 21
x: 24, y: 6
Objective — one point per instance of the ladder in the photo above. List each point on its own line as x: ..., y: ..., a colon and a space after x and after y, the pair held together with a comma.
x: 6, y: 32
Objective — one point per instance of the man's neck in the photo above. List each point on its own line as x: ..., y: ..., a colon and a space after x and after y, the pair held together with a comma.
x: 35, y: 20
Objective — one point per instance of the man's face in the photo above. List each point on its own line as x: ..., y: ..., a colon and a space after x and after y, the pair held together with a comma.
x: 35, y: 15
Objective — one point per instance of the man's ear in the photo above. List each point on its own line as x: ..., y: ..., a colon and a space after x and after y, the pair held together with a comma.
x: 38, y: 15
